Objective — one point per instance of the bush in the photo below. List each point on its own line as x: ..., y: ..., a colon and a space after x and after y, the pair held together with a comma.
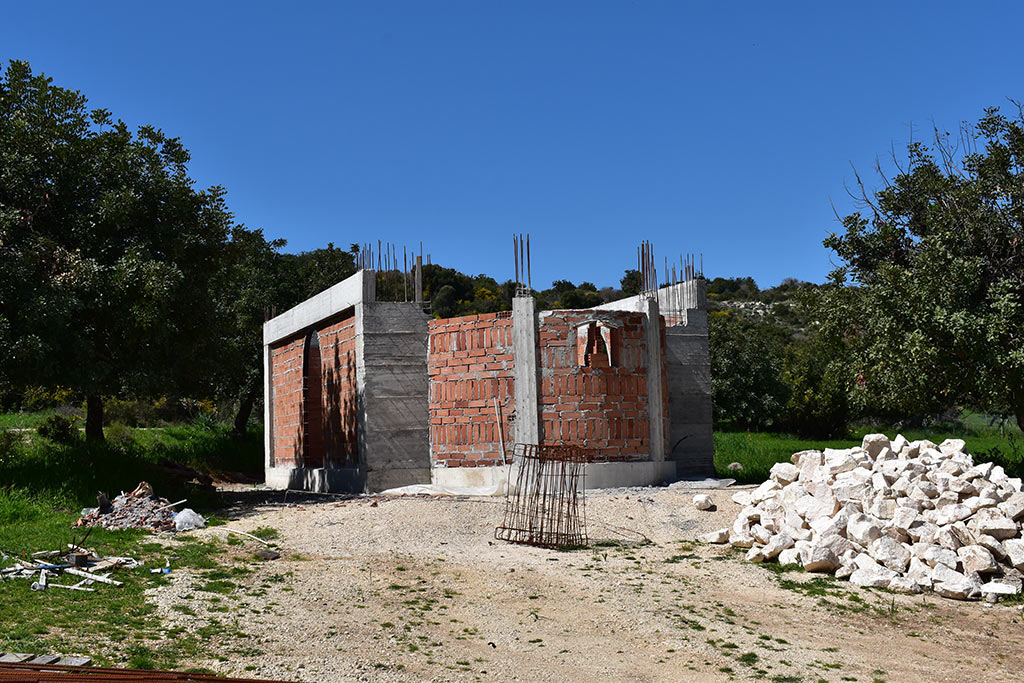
x: 58, y: 429
x: 120, y: 436
x: 9, y: 440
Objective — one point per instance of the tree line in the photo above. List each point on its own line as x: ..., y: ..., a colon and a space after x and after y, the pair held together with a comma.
x: 119, y: 278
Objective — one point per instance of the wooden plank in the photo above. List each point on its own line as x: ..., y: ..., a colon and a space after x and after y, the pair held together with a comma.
x: 74, y: 661
x: 15, y: 658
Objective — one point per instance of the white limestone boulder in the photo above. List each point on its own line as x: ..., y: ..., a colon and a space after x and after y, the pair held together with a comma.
x: 993, y: 522
x: 976, y: 559
x: 822, y: 559
x: 718, y: 536
x: 1013, y: 507
x: 890, y: 553
x: 1015, y: 552
x: 874, y: 443
x: 863, y: 529
x: 777, y: 544
x: 784, y: 473
x: 702, y: 501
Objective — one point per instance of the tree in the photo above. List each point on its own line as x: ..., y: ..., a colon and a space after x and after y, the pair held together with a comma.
x: 246, y: 289
x: 106, y: 249
x: 630, y: 283
x: 746, y: 367
x: 931, y: 289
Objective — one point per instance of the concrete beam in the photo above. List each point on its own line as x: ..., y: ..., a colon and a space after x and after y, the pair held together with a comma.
x: 357, y: 289
x: 524, y: 350
x: 674, y: 300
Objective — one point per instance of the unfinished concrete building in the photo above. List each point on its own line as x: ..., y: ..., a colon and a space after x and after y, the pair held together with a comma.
x: 366, y: 395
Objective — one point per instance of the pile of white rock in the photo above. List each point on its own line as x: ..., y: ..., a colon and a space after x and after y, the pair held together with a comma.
x: 907, y: 516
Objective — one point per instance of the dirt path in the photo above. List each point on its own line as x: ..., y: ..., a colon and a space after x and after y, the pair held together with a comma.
x: 418, y: 589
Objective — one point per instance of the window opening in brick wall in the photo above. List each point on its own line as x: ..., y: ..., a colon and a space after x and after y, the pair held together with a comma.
x: 595, y: 345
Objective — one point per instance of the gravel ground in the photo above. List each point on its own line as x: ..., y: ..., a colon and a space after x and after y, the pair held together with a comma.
x: 416, y: 588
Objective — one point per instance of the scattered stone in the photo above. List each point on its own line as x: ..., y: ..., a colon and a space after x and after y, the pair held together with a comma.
x: 719, y: 536
x: 702, y: 501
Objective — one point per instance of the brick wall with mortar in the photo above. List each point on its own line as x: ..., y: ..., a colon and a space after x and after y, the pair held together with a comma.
x: 470, y: 364
x: 286, y: 383
x: 340, y: 393
x: 325, y: 434
x: 596, y: 402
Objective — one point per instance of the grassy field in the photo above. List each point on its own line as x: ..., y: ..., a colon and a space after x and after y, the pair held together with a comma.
x: 758, y: 451
x: 44, y: 487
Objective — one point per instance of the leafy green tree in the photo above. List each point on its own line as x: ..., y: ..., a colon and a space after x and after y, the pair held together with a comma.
x: 630, y: 283
x: 933, y: 269
x: 246, y: 289
x: 106, y: 249
x: 746, y: 371
x: 816, y: 373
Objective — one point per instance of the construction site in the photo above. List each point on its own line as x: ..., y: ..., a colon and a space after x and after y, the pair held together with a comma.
x: 364, y: 395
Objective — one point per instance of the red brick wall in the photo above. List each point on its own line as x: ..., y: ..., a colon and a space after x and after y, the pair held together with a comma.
x: 338, y: 360
x: 286, y: 384
x: 603, y: 407
x: 326, y: 433
x: 470, y: 364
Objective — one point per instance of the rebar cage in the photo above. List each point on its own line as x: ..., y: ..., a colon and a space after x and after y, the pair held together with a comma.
x: 546, y: 506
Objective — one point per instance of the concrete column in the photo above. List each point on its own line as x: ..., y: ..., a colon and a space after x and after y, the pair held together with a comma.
x: 524, y: 350
x: 655, y: 399
x: 268, y: 410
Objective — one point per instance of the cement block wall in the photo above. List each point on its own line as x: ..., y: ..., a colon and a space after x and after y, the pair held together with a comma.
x: 391, y: 362
x: 690, y: 438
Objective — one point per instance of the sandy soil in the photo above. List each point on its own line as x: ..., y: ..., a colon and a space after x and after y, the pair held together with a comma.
x: 416, y: 588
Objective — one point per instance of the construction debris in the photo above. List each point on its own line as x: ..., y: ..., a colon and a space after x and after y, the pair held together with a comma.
x: 57, y: 564
x: 907, y: 516
x: 140, y: 509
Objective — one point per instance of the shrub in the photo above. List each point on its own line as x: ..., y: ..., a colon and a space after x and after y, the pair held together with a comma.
x: 58, y: 429
x: 9, y: 439
x: 120, y: 436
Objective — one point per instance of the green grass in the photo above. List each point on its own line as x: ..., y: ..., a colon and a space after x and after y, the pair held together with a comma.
x: 758, y: 451
x: 44, y: 485
x: 24, y: 420
x: 71, y: 474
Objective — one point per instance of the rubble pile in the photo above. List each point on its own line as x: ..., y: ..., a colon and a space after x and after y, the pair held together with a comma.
x: 907, y: 516
x: 140, y: 509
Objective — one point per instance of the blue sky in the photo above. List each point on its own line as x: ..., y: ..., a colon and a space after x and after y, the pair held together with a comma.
x: 722, y: 128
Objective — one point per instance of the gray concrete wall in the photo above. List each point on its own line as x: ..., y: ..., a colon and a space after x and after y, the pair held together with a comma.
x: 690, y: 442
x: 391, y: 372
